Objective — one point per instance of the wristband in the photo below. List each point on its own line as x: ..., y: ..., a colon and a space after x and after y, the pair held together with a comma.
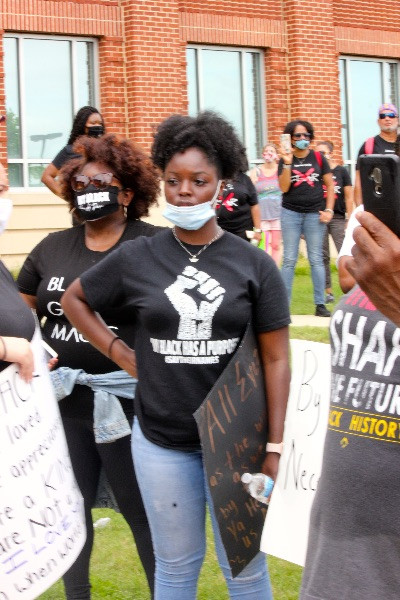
x: 111, y: 345
x: 286, y: 166
x: 4, y: 357
x: 278, y: 448
x: 257, y: 230
x: 329, y: 210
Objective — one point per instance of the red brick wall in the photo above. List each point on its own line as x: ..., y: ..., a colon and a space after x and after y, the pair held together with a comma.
x: 266, y: 9
x: 313, y: 66
x: 368, y: 14
x: 155, y: 65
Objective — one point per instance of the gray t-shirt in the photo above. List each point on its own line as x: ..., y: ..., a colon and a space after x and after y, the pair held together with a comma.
x: 354, y: 539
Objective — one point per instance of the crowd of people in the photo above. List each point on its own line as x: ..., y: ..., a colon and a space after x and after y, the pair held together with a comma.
x: 131, y: 285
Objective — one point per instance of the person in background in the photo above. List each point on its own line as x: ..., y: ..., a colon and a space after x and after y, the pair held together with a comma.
x: 357, y: 555
x: 87, y: 121
x: 383, y: 143
x: 342, y: 211
x: 109, y: 187
x: 265, y: 179
x: 237, y: 206
x: 302, y: 174
x: 17, y: 323
x: 192, y: 290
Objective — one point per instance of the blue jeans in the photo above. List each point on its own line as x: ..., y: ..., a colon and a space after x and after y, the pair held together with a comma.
x: 175, y: 493
x: 293, y: 225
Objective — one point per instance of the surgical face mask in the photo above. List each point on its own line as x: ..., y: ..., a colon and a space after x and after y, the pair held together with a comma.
x: 95, y: 130
x: 302, y: 144
x: 270, y: 156
x: 192, y: 217
x: 93, y: 204
x: 5, y: 212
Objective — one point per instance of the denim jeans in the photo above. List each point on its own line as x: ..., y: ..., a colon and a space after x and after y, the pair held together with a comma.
x: 175, y: 493
x: 293, y: 225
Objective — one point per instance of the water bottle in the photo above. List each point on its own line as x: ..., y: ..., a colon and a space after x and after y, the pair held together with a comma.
x: 100, y: 523
x: 258, y: 485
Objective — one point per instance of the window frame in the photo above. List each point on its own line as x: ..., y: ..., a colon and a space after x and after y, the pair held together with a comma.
x: 24, y: 161
x: 263, y: 113
x: 351, y: 163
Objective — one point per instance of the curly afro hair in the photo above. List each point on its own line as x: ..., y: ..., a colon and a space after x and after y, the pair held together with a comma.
x: 81, y: 117
x: 290, y: 127
x: 126, y: 160
x: 208, y: 132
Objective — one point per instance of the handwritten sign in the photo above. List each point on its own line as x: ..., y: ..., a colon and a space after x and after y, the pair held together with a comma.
x: 42, y: 525
x: 286, y: 527
x: 232, y: 426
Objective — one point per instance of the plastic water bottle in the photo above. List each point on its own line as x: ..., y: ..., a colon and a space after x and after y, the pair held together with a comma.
x: 100, y: 523
x: 258, y: 485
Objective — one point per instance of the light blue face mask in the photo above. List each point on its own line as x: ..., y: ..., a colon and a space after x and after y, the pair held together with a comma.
x: 302, y: 144
x: 192, y: 217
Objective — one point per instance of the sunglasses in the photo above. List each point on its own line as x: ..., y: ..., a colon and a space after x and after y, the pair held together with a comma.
x: 297, y: 136
x: 100, y: 181
x: 391, y: 115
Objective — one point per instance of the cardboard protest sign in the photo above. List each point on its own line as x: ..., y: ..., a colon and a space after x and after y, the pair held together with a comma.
x: 232, y: 425
x: 286, y: 527
x: 42, y: 524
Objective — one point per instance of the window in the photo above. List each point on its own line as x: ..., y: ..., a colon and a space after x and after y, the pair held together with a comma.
x: 364, y: 85
x: 229, y: 81
x: 46, y: 80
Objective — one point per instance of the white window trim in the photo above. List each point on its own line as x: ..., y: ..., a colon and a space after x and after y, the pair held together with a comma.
x: 242, y: 50
x: 76, y: 106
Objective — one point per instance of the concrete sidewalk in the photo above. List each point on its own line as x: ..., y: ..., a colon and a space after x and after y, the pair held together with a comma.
x: 309, y: 321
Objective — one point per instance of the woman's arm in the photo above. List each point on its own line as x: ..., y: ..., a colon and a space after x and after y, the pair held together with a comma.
x: 18, y: 350
x: 93, y: 328
x: 49, y: 179
x: 274, y: 354
x: 256, y: 218
x: 348, y: 198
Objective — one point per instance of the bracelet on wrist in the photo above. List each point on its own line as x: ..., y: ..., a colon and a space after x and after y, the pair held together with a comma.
x: 287, y: 166
x: 329, y: 210
x: 111, y: 345
x: 4, y: 357
x: 278, y: 448
x: 256, y: 230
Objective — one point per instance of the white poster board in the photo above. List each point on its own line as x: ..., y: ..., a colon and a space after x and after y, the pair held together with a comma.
x: 42, y: 524
x: 285, y: 531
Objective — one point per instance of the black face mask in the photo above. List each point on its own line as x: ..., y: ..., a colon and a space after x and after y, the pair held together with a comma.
x: 92, y: 203
x: 95, y: 131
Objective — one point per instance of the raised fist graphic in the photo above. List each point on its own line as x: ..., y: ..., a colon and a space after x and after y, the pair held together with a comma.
x: 195, y: 321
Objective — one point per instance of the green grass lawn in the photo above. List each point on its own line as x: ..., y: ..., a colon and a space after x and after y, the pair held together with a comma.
x: 116, y: 572
x: 302, y: 296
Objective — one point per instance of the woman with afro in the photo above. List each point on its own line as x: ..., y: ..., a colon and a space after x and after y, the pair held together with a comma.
x: 192, y: 290
x: 109, y: 188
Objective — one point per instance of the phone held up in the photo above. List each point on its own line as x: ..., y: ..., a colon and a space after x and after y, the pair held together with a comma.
x: 286, y: 143
x: 380, y: 186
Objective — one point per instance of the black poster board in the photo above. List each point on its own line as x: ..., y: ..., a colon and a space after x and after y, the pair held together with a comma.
x: 233, y: 432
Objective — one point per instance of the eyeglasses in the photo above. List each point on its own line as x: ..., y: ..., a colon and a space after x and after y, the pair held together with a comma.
x: 100, y: 181
x: 391, y: 115
x: 297, y: 136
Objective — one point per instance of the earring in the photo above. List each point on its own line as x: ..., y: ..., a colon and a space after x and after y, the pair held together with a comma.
x: 125, y: 211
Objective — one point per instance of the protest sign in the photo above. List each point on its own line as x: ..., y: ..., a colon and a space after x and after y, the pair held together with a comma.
x: 286, y: 527
x: 233, y: 433
x: 42, y: 524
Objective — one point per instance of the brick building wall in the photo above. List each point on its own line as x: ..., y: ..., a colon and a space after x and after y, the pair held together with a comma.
x: 142, y: 69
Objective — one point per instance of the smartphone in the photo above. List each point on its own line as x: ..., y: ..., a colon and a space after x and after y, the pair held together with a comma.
x: 286, y: 143
x: 380, y: 186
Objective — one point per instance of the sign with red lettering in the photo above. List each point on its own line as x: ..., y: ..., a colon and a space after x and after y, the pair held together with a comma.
x: 42, y: 524
x: 233, y: 432
x: 286, y: 527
